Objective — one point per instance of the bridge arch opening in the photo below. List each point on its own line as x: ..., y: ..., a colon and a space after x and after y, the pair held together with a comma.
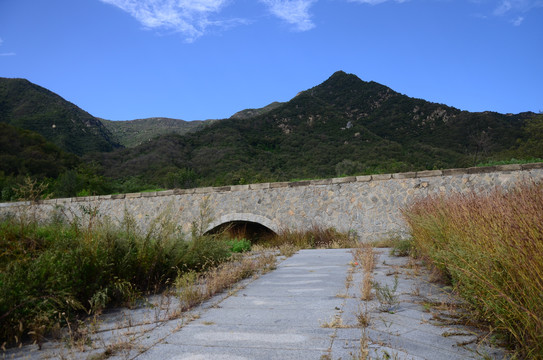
x: 242, y: 225
x: 249, y: 230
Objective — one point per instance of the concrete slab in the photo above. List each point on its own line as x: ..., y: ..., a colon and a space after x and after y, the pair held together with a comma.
x: 308, y: 308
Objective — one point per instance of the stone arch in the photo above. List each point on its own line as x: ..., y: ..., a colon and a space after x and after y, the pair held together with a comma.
x: 247, y: 217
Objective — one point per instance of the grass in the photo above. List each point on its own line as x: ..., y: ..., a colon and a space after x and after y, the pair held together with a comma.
x: 313, y: 238
x: 511, y: 161
x: 53, y: 274
x: 193, y: 288
x: 365, y: 257
x: 490, y: 246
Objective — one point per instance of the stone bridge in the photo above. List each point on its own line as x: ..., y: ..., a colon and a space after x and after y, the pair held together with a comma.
x: 369, y: 205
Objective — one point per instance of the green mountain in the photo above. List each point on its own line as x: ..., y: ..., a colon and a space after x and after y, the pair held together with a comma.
x: 32, y: 107
x: 24, y: 152
x: 131, y: 133
x: 343, y: 126
x: 248, y: 113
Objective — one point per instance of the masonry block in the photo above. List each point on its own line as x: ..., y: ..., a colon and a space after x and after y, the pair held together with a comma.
x: 481, y: 170
x: 321, y: 182
x: 364, y: 178
x: 405, y: 175
x: 298, y: 183
x: 276, y: 185
x: 259, y: 186
x: 381, y: 177
x: 343, y: 180
x: 429, y: 173
x: 452, y: 172
x: 509, y: 167
x: 532, y: 166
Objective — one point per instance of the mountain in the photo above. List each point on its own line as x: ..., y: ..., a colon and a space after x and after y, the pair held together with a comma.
x: 131, y: 133
x: 24, y: 152
x: 28, y: 106
x: 248, y: 113
x: 343, y: 126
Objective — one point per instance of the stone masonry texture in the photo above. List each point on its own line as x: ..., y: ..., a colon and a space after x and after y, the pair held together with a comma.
x: 368, y: 205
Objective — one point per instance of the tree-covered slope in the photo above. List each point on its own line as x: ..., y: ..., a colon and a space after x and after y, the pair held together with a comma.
x: 131, y: 133
x: 26, y: 153
x: 342, y: 126
x: 28, y: 106
x: 248, y: 113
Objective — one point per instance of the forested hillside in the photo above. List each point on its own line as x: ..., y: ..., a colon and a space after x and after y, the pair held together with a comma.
x: 28, y: 106
x: 344, y: 126
x: 131, y: 133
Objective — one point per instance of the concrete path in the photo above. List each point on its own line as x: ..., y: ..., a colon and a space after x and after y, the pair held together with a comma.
x: 308, y: 308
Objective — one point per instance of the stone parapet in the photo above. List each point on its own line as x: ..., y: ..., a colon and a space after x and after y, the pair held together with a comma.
x: 369, y: 205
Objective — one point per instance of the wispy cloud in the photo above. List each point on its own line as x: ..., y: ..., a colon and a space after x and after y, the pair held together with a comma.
x: 517, y: 21
x: 294, y: 12
x: 507, y: 6
x: 190, y: 17
x: 8, y: 53
x: 516, y: 9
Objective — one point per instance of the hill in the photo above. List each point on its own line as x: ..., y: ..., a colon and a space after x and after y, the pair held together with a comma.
x: 131, y: 133
x: 343, y: 126
x: 28, y: 106
x: 248, y: 113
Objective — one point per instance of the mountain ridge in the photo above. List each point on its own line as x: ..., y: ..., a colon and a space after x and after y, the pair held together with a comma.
x: 29, y: 106
x: 343, y: 126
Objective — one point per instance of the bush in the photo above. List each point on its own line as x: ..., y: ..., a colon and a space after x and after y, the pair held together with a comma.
x: 239, y: 246
x: 57, y: 272
x: 490, y: 247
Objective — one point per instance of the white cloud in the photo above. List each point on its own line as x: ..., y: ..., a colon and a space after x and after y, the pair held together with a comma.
x: 523, y: 6
x: 294, y: 12
x: 5, y: 54
x: 189, y: 17
x: 517, y: 21
x: 514, y: 9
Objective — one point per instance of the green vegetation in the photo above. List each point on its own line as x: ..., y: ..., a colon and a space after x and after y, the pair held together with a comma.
x: 32, y: 107
x: 135, y: 132
x: 239, y: 245
x: 511, y: 161
x: 53, y: 273
x: 489, y: 246
x: 249, y: 113
x: 342, y: 127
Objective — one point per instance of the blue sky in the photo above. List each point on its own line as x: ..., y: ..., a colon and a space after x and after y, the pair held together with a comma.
x: 202, y: 59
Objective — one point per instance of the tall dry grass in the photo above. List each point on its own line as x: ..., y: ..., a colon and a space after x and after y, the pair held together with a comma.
x: 314, y: 237
x: 491, y: 247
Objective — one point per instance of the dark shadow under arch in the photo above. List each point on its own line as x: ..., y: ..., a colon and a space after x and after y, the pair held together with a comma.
x: 252, y: 231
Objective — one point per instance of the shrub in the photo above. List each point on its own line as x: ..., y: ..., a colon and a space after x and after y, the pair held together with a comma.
x: 239, y: 245
x: 53, y: 273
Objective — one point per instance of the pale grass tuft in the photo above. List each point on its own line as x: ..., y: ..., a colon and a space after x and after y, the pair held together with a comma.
x: 489, y: 245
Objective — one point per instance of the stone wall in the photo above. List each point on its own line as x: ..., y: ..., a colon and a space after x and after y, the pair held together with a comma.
x: 369, y: 205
